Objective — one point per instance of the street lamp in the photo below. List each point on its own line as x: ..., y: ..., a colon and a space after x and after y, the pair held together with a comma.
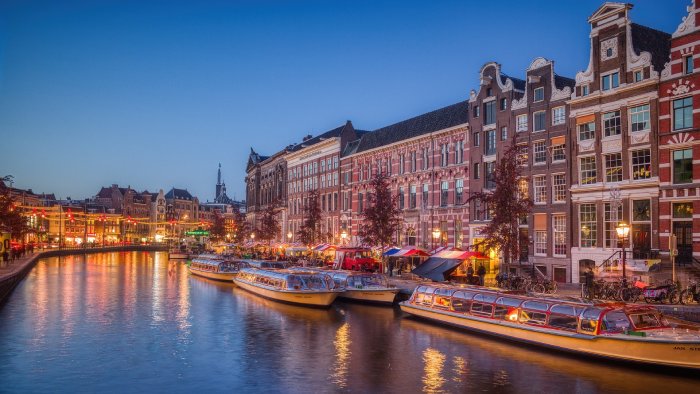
x: 343, y: 236
x: 622, y: 231
x: 436, y: 235
x: 289, y: 236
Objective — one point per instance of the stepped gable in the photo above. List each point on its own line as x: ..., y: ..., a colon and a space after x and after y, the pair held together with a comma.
x: 439, y: 119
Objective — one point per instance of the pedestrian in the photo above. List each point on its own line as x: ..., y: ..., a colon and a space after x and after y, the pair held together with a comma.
x: 482, y: 273
x: 470, y: 274
x: 5, y: 256
x: 589, y: 277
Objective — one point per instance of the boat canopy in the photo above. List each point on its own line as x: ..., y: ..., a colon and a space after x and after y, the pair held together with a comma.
x: 407, y: 251
x: 288, y: 279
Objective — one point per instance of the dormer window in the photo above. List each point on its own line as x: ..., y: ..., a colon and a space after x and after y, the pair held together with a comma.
x: 609, y: 52
x: 489, y: 92
x: 688, y: 64
x: 475, y: 111
x: 611, y: 81
x: 539, y: 94
x: 584, y: 90
x: 504, y: 104
x: 638, y: 76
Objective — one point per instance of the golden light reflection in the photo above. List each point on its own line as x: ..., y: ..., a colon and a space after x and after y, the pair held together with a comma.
x: 432, y: 373
x: 461, y: 369
x: 342, y: 349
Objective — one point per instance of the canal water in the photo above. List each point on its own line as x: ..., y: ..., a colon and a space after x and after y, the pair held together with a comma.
x: 136, y: 322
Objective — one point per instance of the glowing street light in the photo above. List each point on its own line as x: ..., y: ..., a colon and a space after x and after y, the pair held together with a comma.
x: 436, y: 236
x: 623, y: 231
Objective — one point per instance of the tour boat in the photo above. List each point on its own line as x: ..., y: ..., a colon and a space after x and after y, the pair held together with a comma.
x: 614, y: 331
x: 364, y: 286
x: 294, y: 287
x: 178, y: 255
x: 267, y: 264
x: 216, y: 269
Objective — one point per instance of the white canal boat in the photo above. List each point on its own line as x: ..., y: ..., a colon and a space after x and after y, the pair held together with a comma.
x: 216, y: 269
x: 307, y: 288
x: 614, y: 331
x: 364, y: 286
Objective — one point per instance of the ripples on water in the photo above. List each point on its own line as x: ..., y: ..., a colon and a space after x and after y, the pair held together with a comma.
x: 135, y: 322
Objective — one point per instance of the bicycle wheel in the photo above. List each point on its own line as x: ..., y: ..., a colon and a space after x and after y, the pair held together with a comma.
x: 552, y: 287
x: 674, y: 297
x: 686, y: 297
x: 538, y: 288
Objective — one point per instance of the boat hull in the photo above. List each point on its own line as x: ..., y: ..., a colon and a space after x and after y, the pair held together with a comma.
x: 222, y: 276
x: 178, y: 256
x: 617, y: 347
x: 368, y: 295
x: 316, y: 299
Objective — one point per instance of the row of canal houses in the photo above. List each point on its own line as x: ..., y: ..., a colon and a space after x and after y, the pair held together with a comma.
x: 620, y: 142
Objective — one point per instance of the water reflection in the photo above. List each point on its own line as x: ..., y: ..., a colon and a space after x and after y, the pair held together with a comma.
x: 125, y: 322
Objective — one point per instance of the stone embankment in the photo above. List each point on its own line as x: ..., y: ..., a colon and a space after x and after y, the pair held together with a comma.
x: 12, y: 273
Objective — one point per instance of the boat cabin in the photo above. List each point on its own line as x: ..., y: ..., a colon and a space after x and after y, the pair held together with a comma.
x: 217, y: 265
x: 267, y: 264
x: 288, y: 280
x: 559, y: 314
x: 359, y: 280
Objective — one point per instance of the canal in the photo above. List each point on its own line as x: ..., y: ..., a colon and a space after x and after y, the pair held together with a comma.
x: 135, y: 322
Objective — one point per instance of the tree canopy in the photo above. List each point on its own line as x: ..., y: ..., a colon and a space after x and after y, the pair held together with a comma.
x: 310, y: 231
x: 381, y: 217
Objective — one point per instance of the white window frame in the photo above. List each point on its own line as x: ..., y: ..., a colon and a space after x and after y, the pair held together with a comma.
x: 521, y: 122
x: 558, y: 115
x: 595, y: 168
x: 539, y: 188
x: 534, y: 94
x: 540, y: 242
x: 621, y: 167
x: 539, y: 147
x: 610, y: 74
x: 645, y: 114
x: 534, y: 119
x: 558, y: 189
x: 558, y: 232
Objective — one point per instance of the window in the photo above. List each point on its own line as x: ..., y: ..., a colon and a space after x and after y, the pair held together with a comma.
x: 424, y: 198
x: 611, y: 81
x: 477, y: 171
x: 346, y: 200
x: 641, y: 164
x: 612, y: 218
x: 587, y: 170
x: 540, y: 188
x: 412, y: 196
x: 489, y: 169
x: 476, y: 139
x: 611, y: 123
x: 639, y: 118
x: 413, y: 161
x: 489, y: 92
x: 558, y: 152
x: 539, y: 94
x: 540, y: 152
x: 335, y: 162
x: 559, y: 232
x: 504, y: 104
x: 521, y: 121
x: 504, y: 133
x: 443, y: 194
x: 401, y: 197
x: 490, y: 113
x: 541, y: 242
x: 388, y: 165
x: 490, y: 142
x: 323, y: 166
x: 641, y: 210
x: 683, y: 210
x: 558, y: 116
x: 688, y: 64
x: 540, y: 121
x: 638, y: 76
x: 683, y: 113
x: 683, y: 166
x: 402, y: 163
x: 589, y: 226
x: 613, y: 167
x: 476, y: 111
x: 584, y: 90
x: 459, y: 189
x: 459, y: 152
x: 523, y: 157
x: 425, y: 158
x: 586, y: 131
x: 360, y: 203
x: 558, y: 188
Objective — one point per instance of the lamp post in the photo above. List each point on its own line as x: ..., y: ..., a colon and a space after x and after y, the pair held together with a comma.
x: 289, y: 236
x: 622, y: 231
x: 343, y: 237
x: 436, y: 235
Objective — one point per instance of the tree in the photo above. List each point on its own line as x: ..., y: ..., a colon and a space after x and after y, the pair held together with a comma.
x: 11, y: 219
x: 310, y: 231
x: 218, y: 228
x: 507, y: 203
x: 269, y: 224
x: 241, y: 228
x: 381, y: 217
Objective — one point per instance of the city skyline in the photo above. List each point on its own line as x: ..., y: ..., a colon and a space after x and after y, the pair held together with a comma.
x: 155, y: 97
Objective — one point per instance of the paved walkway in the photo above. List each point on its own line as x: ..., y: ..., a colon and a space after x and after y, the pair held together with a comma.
x: 12, y: 267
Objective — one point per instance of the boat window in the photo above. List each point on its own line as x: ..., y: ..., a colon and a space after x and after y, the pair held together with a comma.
x: 294, y: 282
x: 464, y: 294
x: 568, y: 310
x: 645, y: 320
x: 441, y: 301
x: 485, y: 298
x: 589, y: 319
x: 515, y: 302
x: 505, y: 312
x: 536, y: 305
x: 424, y: 295
x: 482, y: 309
x: 592, y: 313
x: 533, y: 317
x: 615, y: 321
x: 460, y: 302
x: 564, y: 322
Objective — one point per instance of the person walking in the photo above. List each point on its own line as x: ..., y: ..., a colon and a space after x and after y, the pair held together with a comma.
x: 470, y: 274
x: 482, y: 273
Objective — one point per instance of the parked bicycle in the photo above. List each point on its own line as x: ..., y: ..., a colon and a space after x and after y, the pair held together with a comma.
x: 666, y: 293
x: 691, y: 293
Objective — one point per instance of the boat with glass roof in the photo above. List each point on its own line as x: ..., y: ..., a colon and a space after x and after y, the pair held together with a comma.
x: 224, y: 270
x: 364, y: 286
x: 635, y: 333
x: 309, y: 288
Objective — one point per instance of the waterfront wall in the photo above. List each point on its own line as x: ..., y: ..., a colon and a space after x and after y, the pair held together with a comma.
x: 11, y: 276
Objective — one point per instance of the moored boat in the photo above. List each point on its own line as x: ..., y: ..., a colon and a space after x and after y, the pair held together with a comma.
x: 216, y: 269
x: 364, y: 286
x: 178, y: 255
x: 307, y: 288
x: 267, y: 264
x: 614, y: 331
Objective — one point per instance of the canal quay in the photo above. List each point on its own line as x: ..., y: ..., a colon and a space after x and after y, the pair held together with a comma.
x: 135, y: 321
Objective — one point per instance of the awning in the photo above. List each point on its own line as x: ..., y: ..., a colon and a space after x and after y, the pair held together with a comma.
x: 410, y: 251
x: 460, y: 254
x: 436, y: 268
x: 438, y: 249
x: 391, y: 251
x: 323, y: 247
x: 297, y: 249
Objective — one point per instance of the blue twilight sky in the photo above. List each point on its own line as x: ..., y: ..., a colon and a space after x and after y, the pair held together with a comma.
x: 155, y: 94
